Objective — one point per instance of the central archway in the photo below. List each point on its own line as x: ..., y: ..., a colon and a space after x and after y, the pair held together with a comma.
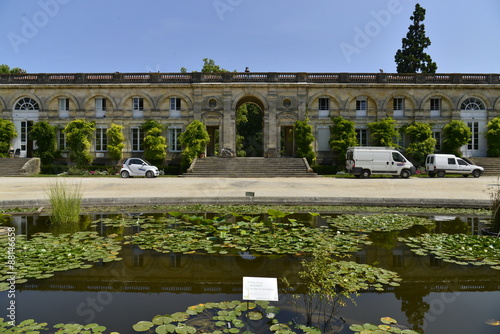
x: 249, y: 127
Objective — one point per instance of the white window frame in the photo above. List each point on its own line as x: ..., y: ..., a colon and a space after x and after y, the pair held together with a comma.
x: 173, y: 139
x: 101, y: 140
x: 362, y: 137
x: 435, y: 107
x: 398, y: 107
x: 137, y: 139
x: 436, y: 134
x: 175, y: 107
x: 137, y: 107
x: 100, y: 107
x: 361, y: 107
x: 324, y: 106
x: 63, y: 104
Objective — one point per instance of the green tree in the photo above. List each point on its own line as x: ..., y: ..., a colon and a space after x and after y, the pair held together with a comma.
x: 249, y: 131
x: 493, y: 137
x: 115, y: 141
x: 209, y: 66
x: 384, y: 132
x: 304, y: 139
x: 421, y: 141
x: 456, y: 134
x: 155, y: 145
x: 411, y: 58
x: 194, y: 141
x: 79, y: 134
x: 45, y: 136
x: 342, y: 136
x: 5, y: 69
x: 7, y: 133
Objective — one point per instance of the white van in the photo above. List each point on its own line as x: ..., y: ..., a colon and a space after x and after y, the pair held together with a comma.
x: 442, y: 164
x: 363, y: 161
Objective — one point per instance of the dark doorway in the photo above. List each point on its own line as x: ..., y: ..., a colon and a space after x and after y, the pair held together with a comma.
x: 287, y: 141
x: 249, y: 130
x: 213, y: 145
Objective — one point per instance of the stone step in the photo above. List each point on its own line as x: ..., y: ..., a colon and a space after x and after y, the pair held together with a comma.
x: 491, y: 165
x: 249, y: 167
x: 12, y: 166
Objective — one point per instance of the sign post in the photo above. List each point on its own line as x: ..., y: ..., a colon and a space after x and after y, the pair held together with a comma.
x: 260, y: 288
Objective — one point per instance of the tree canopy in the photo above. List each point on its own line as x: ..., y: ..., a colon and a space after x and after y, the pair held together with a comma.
x: 411, y: 58
x: 6, y: 69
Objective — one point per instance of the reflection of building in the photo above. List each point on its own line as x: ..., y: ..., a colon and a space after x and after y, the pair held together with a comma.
x: 175, y: 99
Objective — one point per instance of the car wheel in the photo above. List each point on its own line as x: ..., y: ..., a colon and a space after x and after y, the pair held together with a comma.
x: 150, y: 174
x: 431, y: 174
x: 441, y: 173
x: 405, y: 173
x: 365, y: 173
x: 476, y: 173
x: 125, y: 174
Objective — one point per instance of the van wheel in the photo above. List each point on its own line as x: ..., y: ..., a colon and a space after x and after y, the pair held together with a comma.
x: 476, y: 173
x: 441, y: 173
x: 405, y: 173
x: 365, y: 173
x: 431, y: 174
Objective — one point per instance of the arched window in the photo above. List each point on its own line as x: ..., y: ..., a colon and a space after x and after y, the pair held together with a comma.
x: 472, y: 104
x: 26, y: 104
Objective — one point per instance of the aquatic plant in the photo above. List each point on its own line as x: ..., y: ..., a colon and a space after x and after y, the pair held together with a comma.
x: 458, y: 248
x: 223, y: 317
x: 65, y: 201
x: 219, y: 235
x: 377, y: 222
x: 330, y: 284
x: 45, y: 254
x: 389, y: 325
x: 30, y: 326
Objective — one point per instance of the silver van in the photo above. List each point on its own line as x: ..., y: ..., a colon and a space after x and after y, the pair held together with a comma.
x: 442, y: 164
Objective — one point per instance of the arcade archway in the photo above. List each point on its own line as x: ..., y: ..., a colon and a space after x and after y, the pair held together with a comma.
x: 249, y: 127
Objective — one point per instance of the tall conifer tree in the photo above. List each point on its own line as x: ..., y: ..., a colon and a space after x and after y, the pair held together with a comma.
x: 411, y: 58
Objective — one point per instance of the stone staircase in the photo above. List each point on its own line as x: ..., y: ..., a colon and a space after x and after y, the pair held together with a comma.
x: 250, y: 167
x: 19, y: 166
x: 491, y: 165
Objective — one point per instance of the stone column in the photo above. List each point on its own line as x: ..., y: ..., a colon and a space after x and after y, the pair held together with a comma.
x: 227, y: 133
x: 271, y: 135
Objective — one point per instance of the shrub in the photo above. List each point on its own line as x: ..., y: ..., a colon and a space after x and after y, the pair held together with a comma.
x: 194, y: 141
x: 493, y: 137
x: 304, y: 139
x: 342, y: 136
x: 115, y: 141
x: 456, y: 134
x: 7, y: 133
x: 422, y: 143
x: 78, y: 139
x: 45, y: 136
x: 384, y: 132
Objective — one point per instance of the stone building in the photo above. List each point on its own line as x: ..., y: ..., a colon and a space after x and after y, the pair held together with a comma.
x: 175, y: 99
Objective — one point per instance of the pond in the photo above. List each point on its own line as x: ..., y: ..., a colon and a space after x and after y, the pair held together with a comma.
x: 141, y: 277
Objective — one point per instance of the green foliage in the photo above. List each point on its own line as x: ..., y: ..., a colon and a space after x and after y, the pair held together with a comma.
x: 249, y: 129
x: 115, y: 141
x: 7, y: 133
x: 421, y: 141
x: 304, y: 139
x: 43, y: 254
x: 79, y: 134
x: 493, y: 137
x: 411, y: 58
x: 456, y: 134
x: 45, y: 136
x: 458, y: 248
x: 210, y: 67
x: 378, y: 222
x: 5, y: 69
x: 384, y: 132
x: 155, y: 145
x: 342, y: 136
x: 194, y: 141
x: 65, y: 202
x: 389, y: 325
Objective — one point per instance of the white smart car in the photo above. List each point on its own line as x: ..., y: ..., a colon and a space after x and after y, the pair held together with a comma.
x: 138, y: 167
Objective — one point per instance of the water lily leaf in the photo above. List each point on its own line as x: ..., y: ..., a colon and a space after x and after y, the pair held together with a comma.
x: 388, y: 320
x: 142, y: 326
x: 255, y: 315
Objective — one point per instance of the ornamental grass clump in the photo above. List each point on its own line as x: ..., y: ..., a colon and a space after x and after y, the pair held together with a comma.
x: 65, y: 200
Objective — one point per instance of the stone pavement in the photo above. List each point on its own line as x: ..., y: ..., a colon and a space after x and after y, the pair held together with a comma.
x: 415, y: 191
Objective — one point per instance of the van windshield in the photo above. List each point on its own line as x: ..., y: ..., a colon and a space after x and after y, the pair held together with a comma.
x: 397, y: 157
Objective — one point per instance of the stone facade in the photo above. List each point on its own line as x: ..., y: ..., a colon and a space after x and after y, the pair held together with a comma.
x: 175, y: 99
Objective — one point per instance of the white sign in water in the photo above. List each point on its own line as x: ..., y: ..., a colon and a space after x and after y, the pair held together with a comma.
x: 260, y: 288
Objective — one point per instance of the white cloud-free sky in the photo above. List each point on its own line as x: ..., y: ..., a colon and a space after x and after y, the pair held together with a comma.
x: 73, y: 36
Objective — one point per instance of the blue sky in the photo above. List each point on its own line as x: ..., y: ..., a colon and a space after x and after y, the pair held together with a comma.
x: 73, y: 36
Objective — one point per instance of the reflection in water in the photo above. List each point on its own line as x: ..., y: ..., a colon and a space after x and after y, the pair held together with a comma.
x: 146, y: 283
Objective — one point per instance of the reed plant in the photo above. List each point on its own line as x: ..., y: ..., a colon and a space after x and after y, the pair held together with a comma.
x: 65, y: 200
